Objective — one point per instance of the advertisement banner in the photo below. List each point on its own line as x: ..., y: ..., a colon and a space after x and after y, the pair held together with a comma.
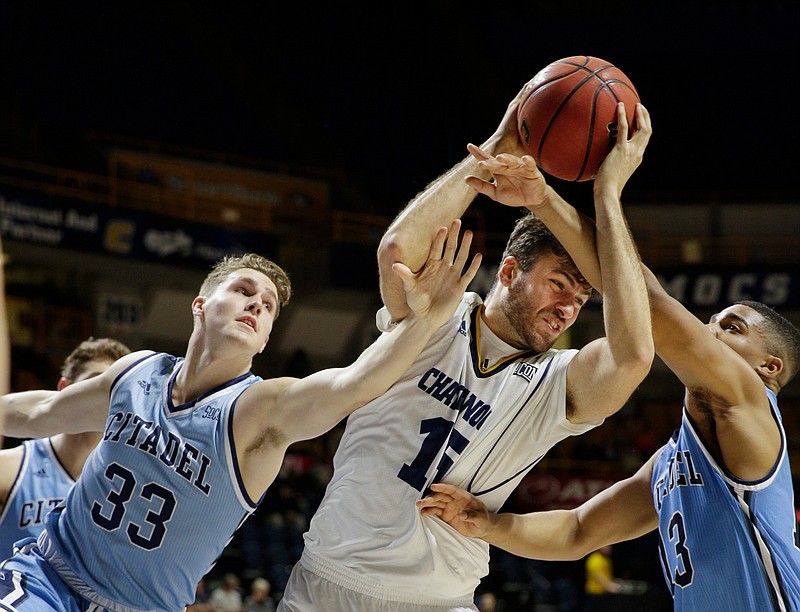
x: 70, y: 224
x: 715, y: 287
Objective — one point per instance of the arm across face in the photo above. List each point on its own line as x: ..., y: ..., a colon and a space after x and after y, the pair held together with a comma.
x: 305, y: 408
x: 603, y: 375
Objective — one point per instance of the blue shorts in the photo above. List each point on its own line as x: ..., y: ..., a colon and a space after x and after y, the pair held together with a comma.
x: 29, y: 584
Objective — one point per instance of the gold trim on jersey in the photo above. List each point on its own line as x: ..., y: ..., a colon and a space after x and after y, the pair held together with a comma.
x: 476, y: 337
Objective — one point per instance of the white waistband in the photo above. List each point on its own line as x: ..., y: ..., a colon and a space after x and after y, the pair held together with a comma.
x: 348, y: 579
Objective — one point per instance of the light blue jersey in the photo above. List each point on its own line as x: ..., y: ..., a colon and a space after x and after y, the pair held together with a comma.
x: 158, y: 499
x: 41, y: 484
x: 725, y: 544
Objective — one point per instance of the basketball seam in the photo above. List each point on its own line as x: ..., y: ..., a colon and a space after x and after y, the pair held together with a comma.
x: 615, y: 83
x: 553, y: 118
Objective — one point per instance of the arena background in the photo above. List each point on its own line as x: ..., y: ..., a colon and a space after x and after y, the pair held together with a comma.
x: 139, y: 142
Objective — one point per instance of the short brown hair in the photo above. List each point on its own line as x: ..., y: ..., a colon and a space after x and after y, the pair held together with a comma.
x: 231, y: 263
x: 531, y: 240
x: 91, y: 350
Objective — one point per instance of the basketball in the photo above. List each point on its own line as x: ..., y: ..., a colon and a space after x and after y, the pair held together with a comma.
x: 567, y: 115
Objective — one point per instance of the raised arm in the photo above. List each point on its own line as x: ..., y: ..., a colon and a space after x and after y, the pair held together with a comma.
x: 409, y: 236
x: 720, y: 383
x: 518, y: 182
x: 605, y: 372
x: 622, y: 512
x: 78, y: 408
x: 313, y: 405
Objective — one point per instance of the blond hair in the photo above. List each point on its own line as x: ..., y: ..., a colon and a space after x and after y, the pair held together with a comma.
x: 231, y: 263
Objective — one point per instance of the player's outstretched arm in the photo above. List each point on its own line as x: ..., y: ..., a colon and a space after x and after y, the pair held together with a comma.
x: 518, y: 182
x: 732, y: 392
x: 315, y: 404
x: 621, y: 512
x: 78, y: 408
x: 408, y: 237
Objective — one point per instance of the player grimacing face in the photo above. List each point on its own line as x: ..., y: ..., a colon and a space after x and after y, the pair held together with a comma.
x: 542, y: 303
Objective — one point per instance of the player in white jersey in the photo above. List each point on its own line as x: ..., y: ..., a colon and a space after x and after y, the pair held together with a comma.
x: 191, y: 444
x: 485, y: 400
x: 36, y: 475
x: 719, y: 492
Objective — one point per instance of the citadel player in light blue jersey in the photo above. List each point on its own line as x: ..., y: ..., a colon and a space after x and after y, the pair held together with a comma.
x: 36, y: 475
x: 190, y: 444
x: 719, y: 492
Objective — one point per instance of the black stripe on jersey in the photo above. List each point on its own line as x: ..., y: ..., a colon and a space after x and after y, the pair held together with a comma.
x: 235, y: 461
x: 475, y: 349
x: 507, y: 480
x: 49, y: 443
x: 511, y: 422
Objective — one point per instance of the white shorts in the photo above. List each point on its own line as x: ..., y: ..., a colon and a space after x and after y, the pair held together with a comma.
x: 308, y: 592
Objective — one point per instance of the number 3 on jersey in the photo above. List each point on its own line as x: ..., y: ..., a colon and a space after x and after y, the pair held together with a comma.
x: 682, y: 573
x: 110, y: 516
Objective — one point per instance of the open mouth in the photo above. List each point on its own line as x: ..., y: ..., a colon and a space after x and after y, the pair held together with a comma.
x: 554, y: 325
x: 249, y: 322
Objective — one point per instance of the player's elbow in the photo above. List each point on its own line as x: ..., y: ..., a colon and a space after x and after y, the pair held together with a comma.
x: 24, y: 420
x: 577, y: 541
x: 391, y: 250
x: 630, y: 366
x: 641, y: 355
x: 583, y: 542
x: 635, y: 369
x: 633, y: 352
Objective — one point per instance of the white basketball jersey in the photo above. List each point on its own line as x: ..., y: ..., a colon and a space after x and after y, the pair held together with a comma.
x: 453, y: 417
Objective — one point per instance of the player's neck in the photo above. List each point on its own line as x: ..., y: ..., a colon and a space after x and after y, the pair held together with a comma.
x: 203, y: 372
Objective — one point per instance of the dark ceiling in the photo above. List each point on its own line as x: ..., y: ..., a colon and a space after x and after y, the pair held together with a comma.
x: 388, y: 96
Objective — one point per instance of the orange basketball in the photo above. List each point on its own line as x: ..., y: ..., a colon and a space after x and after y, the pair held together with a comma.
x: 567, y: 115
